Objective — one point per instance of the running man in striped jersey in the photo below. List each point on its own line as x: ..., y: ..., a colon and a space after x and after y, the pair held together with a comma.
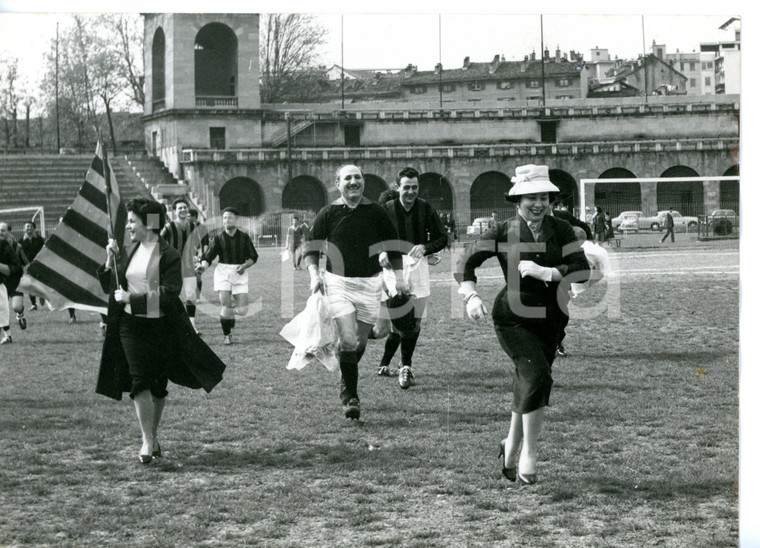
x: 236, y: 255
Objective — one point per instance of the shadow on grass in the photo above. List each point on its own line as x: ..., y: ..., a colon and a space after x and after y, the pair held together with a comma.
x: 354, y: 456
x: 669, y: 489
x: 650, y: 356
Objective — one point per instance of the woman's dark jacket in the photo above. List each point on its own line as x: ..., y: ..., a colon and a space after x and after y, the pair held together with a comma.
x: 528, y: 300
x: 190, y: 362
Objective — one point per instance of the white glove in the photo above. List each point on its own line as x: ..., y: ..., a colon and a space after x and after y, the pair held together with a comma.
x: 384, y: 261
x: 475, y: 308
x: 529, y: 268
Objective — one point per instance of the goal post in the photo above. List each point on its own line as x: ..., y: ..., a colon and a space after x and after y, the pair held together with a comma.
x: 19, y: 215
x: 690, y: 196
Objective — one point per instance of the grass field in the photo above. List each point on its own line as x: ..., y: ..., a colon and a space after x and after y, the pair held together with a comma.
x: 639, y: 448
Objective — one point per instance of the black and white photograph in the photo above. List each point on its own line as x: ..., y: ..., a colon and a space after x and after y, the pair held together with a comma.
x: 413, y: 274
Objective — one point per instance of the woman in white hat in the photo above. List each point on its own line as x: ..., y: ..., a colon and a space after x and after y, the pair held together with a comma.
x: 535, y: 251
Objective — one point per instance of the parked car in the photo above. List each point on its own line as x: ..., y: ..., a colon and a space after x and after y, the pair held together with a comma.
x: 619, y: 219
x: 629, y: 223
x: 723, y: 221
x: 478, y: 226
x: 658, y: 221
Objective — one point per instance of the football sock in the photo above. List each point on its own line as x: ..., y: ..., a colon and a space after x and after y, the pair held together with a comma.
x: 226, y: 325
x: 190, y: 310
x: 72, y: 313
x: 349, y: 371
x: 407, y: 347
x: 391, y: 345
x: 33, y: 300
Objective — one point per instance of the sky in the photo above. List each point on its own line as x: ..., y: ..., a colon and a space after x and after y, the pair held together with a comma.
x: 394, y: 39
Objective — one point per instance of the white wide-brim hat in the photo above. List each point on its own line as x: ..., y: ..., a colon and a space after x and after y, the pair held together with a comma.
x: 530, y: 179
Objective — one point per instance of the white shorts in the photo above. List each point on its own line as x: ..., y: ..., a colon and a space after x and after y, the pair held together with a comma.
x: 5, y: 307
x: 360, y: 295
x: 189, y: 290
x: 416, y: 276
x: 226, y: 278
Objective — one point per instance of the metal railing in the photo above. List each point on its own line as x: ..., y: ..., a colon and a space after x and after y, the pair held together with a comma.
x: 458, y: 151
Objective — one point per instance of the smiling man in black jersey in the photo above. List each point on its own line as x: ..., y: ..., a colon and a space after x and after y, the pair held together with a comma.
x: 352, y: 232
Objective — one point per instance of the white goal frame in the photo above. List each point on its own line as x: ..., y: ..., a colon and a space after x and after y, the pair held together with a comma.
x: 584, y: 182
x: 37, y: 209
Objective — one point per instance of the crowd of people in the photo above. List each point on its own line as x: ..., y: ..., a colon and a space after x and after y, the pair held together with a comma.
x: 376, y: 280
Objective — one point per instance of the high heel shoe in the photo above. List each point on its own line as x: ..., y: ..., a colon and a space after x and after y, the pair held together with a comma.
x: 527, y: 479
x: 511, y: 472
x: 157, y: 451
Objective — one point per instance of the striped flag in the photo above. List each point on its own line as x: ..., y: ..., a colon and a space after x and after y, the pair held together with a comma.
x: 64, y: 270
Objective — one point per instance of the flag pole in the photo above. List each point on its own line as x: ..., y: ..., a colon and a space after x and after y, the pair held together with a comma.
x: 107, y: 180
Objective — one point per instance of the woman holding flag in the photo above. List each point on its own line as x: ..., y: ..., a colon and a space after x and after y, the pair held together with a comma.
x: 149, y: 338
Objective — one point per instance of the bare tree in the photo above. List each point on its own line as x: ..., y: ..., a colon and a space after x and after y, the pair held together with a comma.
x: 289, y: 46
x: 127, y: 31
x: 9, y: 101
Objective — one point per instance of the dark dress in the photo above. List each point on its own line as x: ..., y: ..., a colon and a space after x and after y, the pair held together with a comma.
x: 529, y: 314
x: 181, y: 356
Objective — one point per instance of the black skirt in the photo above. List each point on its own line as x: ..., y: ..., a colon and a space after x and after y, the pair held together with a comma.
x: 143, y: 340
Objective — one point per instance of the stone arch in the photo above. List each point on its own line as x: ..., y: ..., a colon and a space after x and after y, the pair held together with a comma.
x: 568, y: 187
x: 686, y: 197
x: 618, y: 197
x: 487, y: 192
x: 374, y: 186
x: 158, y: 67
x: 216, y: 49
x: 436, y: 189
x: 729, y: 190
x: 305, y: 193
x: 244, y: 194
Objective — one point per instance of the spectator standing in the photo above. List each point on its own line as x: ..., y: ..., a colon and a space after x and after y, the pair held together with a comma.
x: 32, y: 243
x: 669, y: 226
x: 599, y: 226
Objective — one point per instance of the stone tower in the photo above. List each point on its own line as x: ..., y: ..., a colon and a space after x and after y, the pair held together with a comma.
x: 201, y: 83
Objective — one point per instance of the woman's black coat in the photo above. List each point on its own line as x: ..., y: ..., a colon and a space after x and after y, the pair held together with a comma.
x: 190, y: 362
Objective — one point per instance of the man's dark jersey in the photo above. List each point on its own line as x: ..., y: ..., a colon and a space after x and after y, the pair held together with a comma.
x: 353, y: 232
x: 235, y: 249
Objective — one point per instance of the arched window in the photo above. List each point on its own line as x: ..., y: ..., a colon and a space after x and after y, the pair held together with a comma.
x: 686, y: 197
x: 244, y: 194
x: 158, y: 67
x: 436, y: 189
x: 215, y: 61
x: 374, y: 186
x: 568, y: 188
x: 729, y: 190
x: 304, y: 193
x: 487, y: 193
x: 618, y: 197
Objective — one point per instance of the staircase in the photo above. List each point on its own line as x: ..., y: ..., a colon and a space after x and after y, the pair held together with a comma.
x: 295, y: 129
x: 53, y: 182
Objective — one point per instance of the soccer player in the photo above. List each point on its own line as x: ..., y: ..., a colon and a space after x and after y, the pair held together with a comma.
x: 179, y: 235
x: 31, y: 243
x: 17, y: 298
x: 421, y: 229
x: 200, y: 233
x: 352, y: 232
x: 236, y: 255
x: 10, y: 274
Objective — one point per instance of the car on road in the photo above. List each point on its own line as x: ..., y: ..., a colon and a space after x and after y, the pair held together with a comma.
x: 478, y: 226
x: 625, y: 214
x: 657, y: 222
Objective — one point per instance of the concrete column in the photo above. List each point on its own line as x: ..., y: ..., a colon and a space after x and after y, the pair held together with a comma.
x: 711, y: 192
x: 649, y: 198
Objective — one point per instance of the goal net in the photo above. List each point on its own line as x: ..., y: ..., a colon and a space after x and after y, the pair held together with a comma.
x: 703, y: 205
x: 16, y: 217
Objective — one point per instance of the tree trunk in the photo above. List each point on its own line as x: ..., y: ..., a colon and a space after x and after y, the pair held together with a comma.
x: 14, y: 128
x: 28, y: 126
